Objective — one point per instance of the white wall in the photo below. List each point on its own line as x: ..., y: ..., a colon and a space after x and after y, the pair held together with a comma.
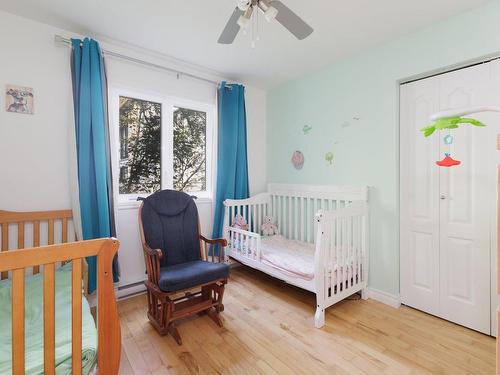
x: 34, y: 149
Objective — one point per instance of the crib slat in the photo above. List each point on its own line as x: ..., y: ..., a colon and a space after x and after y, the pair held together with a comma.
x: 307, y: 219
x: 365, y: 266
x: 341, y: 259
x: 345, y: 250
x: 301, y: 218
x: 36, y: 241
x: 260, y: 213
x: 358, y: 248
x: 289, y: 208
x: 281, y: 214
x: 339, y: 251
x: 316, y: 207
x: 50, y: 240
x: 296, y: 218
x: 18, y: 321
x: 278, y: 214
x: 20, y: 235
x: 350, y: 257
x: 76, y: 324
x: 338, y: 244
x: 64, y: 230
x: 331, y: 231
x: 254, y: 228
x: 5, y: 246
x: 49, y: 319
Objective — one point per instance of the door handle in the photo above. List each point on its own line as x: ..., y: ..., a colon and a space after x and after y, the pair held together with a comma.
x: 442, y: 197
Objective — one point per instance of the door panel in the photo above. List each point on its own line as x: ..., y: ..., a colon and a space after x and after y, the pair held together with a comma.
x: 464, y: 211
x: 419, y: 239
x: 421, y: 250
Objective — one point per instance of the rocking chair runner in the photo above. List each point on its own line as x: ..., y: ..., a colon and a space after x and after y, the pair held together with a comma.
x: 169, y: 224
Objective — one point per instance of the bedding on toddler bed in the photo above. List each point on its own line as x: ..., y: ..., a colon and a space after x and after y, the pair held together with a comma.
x: 296, y: 258
x: 34, y: 326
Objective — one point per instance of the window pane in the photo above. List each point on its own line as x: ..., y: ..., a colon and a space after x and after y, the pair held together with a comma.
x: 190, y: 129
x: 140, y: 146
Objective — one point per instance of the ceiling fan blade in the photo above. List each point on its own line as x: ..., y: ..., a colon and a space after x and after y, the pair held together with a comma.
x: 291, y: 21
x: 232, y: 28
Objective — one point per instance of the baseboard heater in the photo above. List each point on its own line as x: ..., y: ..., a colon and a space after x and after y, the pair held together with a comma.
x: 130, y: 290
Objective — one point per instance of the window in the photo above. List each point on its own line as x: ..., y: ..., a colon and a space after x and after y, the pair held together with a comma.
x: 190, y: 147
x: 140, y: 146
x: 160, y: 143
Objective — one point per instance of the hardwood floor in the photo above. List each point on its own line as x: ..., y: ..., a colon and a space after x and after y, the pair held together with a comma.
x: 268, y: 329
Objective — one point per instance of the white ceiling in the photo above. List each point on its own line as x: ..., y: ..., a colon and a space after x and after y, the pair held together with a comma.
x: 188, y: 30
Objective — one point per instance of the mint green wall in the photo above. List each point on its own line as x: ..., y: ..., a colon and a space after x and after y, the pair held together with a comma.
x: 366, y: 152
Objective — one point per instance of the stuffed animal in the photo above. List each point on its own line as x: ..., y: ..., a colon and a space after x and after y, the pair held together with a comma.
x: 240, y: 222
x: 268, y: 228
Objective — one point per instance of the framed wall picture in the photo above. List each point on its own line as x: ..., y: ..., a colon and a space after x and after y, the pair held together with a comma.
x: 19, y: 99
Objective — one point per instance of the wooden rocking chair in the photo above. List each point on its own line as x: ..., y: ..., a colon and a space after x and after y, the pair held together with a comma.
x: 181, y: 281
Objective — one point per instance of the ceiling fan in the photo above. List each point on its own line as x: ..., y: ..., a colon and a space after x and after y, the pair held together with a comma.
x: 271, y: 9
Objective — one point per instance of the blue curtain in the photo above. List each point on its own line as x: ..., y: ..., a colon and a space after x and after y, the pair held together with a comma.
x: 232, y: 164
x: 92, y: 144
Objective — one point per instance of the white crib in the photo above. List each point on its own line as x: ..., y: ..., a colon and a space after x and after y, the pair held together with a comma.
x: 333, y: 218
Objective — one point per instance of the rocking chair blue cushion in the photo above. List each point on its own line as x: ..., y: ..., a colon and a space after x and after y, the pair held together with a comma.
x: 170, y: 222
x: 191, y: 274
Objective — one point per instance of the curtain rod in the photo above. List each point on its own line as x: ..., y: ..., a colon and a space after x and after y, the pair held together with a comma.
x: 65, y: 41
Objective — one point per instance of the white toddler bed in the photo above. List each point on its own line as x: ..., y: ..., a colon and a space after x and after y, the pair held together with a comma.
x: 323, y: 242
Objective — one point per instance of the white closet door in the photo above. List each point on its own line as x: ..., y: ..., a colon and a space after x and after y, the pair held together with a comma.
x: 465, y: 205
x: 419, y: 237
x: 446, y: 212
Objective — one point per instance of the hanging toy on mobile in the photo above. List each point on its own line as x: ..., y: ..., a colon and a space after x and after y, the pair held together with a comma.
x: 452, y: 120
x: 448, y: 161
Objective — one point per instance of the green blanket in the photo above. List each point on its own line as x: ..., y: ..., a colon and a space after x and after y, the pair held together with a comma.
x: 34, y: 326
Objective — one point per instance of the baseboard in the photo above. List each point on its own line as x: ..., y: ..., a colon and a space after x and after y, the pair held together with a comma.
x: 130, y: 290
x: 384, y: 297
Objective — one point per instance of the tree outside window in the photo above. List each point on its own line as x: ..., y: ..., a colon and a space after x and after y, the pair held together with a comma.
x: 140, y: 146
x: 190, y: 129
x: 140, y: 134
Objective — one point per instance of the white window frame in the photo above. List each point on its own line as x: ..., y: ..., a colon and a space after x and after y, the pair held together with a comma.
x: 168, y: 103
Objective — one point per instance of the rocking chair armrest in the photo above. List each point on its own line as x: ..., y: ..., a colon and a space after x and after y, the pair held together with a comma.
x: 205, y: 254
x: 220, y: 241
x: 151, y: 252
x: 152, y: 258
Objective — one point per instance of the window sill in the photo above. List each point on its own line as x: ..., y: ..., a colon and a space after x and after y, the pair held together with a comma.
x: 128, y: 205
x: 133, y: 205
x: 204, y: 200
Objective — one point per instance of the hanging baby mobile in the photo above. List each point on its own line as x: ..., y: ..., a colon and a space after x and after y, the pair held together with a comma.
x: 449, y: 123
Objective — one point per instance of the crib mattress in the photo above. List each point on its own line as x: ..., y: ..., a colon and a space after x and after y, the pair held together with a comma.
x: 34, y: 326
x: 296, y: 259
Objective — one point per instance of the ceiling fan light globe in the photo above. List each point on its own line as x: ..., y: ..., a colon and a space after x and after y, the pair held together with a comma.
x: 243, y: 4
x: 270, y: 14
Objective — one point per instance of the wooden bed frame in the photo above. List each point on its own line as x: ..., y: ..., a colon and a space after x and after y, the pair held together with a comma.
x: 18, y: 260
